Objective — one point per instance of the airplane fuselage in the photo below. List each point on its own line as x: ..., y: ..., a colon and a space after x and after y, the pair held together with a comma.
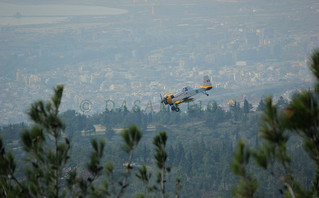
x: 185, y: 95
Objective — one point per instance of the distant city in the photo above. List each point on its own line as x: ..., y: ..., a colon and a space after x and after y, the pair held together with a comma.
x: 137, y: 50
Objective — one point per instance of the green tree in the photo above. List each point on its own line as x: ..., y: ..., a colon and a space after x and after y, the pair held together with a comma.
x: 282, y: 103
x: 235, y: 109
x: 47, y: 153
x: 47, y: 148
x: 247, y: 185
x: 131, y: 137
x: 278, y: 123
x: 247, y: 106
x: 161, y: 157
x: 261, y: 105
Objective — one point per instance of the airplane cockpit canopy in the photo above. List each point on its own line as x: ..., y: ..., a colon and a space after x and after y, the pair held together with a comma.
x: 186, y: 89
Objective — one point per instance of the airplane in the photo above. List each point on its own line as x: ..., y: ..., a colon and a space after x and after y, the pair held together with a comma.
x: 185, y: 95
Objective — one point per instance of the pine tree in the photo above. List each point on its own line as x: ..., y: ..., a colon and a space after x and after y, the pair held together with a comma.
x: 47, y: 173
x: 278, y: 122
x: 261, y: 105
x: 247, y: 185
x: 282, y: 103
x: 161, y: 158
x: 47, y: 152
x: 246, y: 106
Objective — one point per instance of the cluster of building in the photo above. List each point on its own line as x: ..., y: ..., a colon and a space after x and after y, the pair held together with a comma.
x: 145, y: 53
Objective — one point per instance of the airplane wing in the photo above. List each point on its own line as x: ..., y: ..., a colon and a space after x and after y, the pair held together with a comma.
x: 189, y: 100
x: 184, y: 100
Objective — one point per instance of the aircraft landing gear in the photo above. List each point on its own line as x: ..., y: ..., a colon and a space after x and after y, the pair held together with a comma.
x: 175, y: 109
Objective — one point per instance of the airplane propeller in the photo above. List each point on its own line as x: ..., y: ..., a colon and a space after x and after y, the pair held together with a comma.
x: 163, y: 100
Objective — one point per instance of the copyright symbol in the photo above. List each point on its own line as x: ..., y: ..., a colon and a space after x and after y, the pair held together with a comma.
x: 85, y: 106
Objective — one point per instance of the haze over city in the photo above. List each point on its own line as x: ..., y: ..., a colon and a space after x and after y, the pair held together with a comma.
x: 136, y: 50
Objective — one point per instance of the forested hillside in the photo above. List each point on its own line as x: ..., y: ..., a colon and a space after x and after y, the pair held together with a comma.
x: 200, y: 146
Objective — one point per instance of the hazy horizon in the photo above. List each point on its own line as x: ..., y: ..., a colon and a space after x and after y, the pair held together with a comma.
x: 137, y: 50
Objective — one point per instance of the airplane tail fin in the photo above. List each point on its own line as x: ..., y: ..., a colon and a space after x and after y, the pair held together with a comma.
x: 207, y: 84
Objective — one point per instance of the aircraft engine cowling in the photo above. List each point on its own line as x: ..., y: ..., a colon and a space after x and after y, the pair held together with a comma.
x: 169, y: 99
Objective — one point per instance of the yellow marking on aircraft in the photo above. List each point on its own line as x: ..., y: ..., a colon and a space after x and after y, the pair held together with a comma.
x: 178, y: 101
x: 168, y: 94
x: 169, y: 100
x: 206, y: 87
x: 185, y: 94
